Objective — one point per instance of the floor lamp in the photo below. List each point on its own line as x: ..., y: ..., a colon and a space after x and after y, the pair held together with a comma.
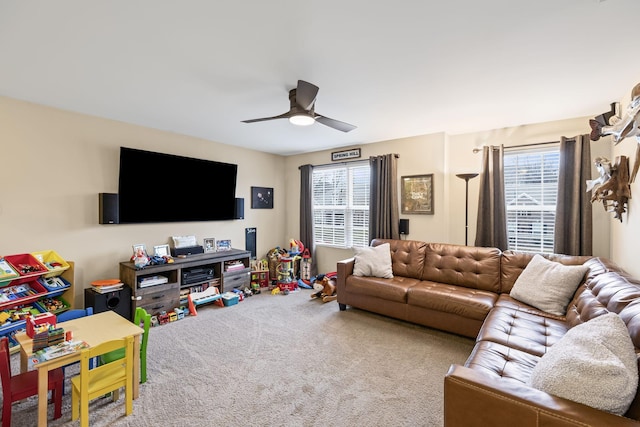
x: 466, y: 177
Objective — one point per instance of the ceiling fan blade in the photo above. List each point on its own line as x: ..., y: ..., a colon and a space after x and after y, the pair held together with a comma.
x: 264, y: 119
x: 306, y: 94
x: 336, y: 124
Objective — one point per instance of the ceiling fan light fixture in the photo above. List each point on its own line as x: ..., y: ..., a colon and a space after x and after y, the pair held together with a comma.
x: 302, y: 120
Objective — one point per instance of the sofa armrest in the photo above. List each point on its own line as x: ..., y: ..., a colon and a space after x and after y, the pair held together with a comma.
x: 344, y: 269
x: 473, y: 398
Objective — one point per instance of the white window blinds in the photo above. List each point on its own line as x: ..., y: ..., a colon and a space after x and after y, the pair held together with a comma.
x: 531, y: 189
x: 341, y: 204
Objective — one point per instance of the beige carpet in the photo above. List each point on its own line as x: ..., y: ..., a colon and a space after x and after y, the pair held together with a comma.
x: 275, y: 360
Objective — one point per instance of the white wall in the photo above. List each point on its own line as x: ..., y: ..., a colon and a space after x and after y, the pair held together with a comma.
x: 625, y: 250
x: 445, y: 156
x: 54, y: 164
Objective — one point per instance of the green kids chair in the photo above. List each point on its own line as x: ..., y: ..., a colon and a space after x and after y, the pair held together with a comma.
x: 141, y: 318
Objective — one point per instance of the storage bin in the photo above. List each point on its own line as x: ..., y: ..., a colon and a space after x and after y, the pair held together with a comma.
x: 7, y: 273
x: 53, y: 305
x: 17, y: 318
x: 52, y: 261
x: 21, y: 294
x: 56, y: 285
x: 27, y: 266
x: 230, y: 298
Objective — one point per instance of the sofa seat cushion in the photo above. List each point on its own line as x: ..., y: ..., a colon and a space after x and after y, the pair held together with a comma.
x: 502, y: 361
x: 507, y: 301
x: 522, y: 330
x: 387, y: 289
x: 465, y: 302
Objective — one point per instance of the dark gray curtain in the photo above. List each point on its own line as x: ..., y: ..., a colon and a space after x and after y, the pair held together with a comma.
x: 573, y: 228
x: 306, y: 212
x: 384, y: 218
x: 492, y: 212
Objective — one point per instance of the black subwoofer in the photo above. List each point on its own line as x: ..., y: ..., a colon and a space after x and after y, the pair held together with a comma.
x: 118, y: 301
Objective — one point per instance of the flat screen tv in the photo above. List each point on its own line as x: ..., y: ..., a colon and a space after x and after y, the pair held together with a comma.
x: 156, y: 187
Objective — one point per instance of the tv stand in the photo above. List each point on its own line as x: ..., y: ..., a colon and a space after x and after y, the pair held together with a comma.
x: 225, y: 270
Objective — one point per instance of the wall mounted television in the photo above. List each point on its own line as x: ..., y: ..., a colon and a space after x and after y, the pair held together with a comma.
x: 157, y: 187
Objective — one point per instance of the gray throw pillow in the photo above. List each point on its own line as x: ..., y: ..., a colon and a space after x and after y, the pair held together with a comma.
x: 593, y: 364
x: 548, y: 285
x: 373, y: 261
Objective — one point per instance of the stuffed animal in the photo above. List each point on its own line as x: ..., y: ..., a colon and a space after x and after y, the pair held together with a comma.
x: 325, y: 289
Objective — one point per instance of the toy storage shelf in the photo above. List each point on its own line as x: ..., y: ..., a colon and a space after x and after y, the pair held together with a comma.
x: 34, y: 300
x: 167, y: 296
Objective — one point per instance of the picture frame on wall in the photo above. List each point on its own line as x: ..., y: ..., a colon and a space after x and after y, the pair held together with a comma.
x: 261, y: 198
x: 417, y: 194
x: 209, y: 244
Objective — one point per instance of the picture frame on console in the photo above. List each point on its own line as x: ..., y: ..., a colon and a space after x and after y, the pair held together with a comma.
x: 209, y: 244
x: 223, y: 245
x: 161, y: 250
x: 417, y: 194
x: 139, y: 250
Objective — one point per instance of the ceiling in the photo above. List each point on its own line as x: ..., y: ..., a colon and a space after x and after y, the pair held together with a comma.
x: 392, y: 68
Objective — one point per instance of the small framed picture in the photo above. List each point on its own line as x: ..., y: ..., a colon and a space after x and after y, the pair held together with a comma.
x: 261, y: 198
x: 139, y: 250
x: 209, y: 244
x: 161, y: 250
x: 223, y: 245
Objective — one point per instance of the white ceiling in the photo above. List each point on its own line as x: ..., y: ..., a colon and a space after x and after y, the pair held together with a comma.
x: 393, y: 68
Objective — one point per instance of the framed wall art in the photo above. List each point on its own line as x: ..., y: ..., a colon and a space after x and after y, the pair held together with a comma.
x: 417, y: 194
x: 261, y: 198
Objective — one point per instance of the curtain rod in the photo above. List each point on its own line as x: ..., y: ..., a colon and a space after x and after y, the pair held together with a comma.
x: 534, y: 144
x: 397, y: 156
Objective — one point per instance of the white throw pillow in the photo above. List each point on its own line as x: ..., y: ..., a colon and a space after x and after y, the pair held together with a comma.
x: 593, y: 364
x: 548, y: 285
x: 373, y: 261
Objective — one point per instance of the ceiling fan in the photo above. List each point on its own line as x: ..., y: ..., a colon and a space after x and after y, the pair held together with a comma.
x: 302, y: 110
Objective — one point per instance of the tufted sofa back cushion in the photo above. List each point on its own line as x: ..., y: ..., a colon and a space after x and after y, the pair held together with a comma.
x: 468, y: 266
x: 513, y: 262
x: 407, y: 256
x: 610, y: 291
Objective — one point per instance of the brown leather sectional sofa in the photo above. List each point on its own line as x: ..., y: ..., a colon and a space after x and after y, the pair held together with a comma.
x: 465, y: 290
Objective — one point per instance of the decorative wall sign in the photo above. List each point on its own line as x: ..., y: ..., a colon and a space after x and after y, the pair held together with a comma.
x: 353, y: 153
x: 261, y: 198
x: 417, y: 194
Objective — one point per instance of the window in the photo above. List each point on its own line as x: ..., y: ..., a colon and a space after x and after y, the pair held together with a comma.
x: 341, y: 205
x: 531, y: 190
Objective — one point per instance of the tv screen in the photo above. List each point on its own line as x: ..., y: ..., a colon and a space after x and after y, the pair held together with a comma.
x: 156, y: 187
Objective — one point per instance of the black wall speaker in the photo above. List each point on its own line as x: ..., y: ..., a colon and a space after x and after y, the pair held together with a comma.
x: 404, y: 226
x: 239, y: 211
x: 108, y: 208
x: 250, y: 241
x: 118, y: 301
